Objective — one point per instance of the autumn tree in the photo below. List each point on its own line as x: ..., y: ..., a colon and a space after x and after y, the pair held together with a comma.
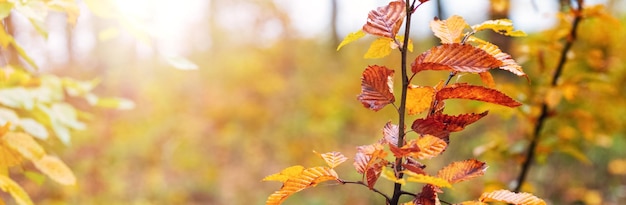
x: 398, y: 155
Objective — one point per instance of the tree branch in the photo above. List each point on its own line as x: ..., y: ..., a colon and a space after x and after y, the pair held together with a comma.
x: 544, y: 107
x: 373, y: 189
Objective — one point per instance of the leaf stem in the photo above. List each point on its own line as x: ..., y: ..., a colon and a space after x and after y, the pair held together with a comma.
x: 544, y: 107
x: 373, y: 189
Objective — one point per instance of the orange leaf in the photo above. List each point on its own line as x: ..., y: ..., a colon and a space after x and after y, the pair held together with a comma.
x: 472, y: 203
x: 472, y: 92
x: 487, y: 79
x: 333, y: 159
x: 430, y: 146
x: 458, y: 123
x: 373, y: 173
x: 508, y: 63
x: 308, y: 178
x: 463, y: 170
x: 455, y: 57
x: 450, y: 30
x: 386, y: 20
x: 376, y: 87
x: 425, y: 147
x: 511, y: 198
x: 419, y: 99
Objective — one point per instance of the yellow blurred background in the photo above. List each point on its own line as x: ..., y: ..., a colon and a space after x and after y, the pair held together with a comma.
x: 227, y: 92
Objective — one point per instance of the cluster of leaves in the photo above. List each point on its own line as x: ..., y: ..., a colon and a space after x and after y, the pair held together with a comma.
x: 460, y: 52
x: 34, y: 107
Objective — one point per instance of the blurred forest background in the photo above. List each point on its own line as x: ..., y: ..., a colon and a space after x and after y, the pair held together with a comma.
x: 270, y: 88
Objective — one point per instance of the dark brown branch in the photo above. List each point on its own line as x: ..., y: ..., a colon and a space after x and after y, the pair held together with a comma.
x: 544, y: 107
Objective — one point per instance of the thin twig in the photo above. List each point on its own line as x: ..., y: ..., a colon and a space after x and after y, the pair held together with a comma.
x: 373, y: 189
x: 544, y: 107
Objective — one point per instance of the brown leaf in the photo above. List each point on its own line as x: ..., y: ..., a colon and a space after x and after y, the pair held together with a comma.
x: 472, y: 92
x: 419, y: 99
x: 458, y: 123
x: 414, y: 166
x: 369, y: 161
x: 376, y: 87
x: 428, y: 196
x: 308, y: 178
x: 386, y: 20
x: 508, y: 63
x: 373, y: 173
x: 511, y: 198
x: 455, y: 57
x: 450, y: 30
x: 463, y: 170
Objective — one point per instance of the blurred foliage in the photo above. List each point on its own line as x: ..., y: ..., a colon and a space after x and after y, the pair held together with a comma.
x: 253, y: 107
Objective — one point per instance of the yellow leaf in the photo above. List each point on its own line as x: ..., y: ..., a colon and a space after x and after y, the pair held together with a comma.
x: 419, y: 99
x: 285, y: 174
x: 391, y: 176
x: 24, y: 144
x: 472, y: 203
x: 511, y: 198
x: 501, y: 26
x: 420, y: 178
x: 20, y: 196
x: 401, y: 40
x: 381, y: 47
x: 55, y: 169
x: 8, y: 156
x: 351, y: 37
x: 67, y: 6
x: 487, y: 79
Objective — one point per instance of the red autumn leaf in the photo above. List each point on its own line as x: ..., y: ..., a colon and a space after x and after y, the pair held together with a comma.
x: 473, y: 92
x: 369, y: 161
x: 511, y: 198
x: 386, y: 20
x: 307, y: 178
x: 463, y: 170
x: 376, y: 87
x: 414, y: 166
x: 455, y: 57
x: 405, y: 150
x: 428, y: 196
x: 430, y: 126
x: 458, y: 123
x: 508, y: 63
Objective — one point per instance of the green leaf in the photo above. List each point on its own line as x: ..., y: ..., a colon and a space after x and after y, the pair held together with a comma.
x: 181, y: 63
x: 381, y: 47
x: 351, y: 37
x: 34, y: 128
x: 20, y: 196
x: 35, y: 177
